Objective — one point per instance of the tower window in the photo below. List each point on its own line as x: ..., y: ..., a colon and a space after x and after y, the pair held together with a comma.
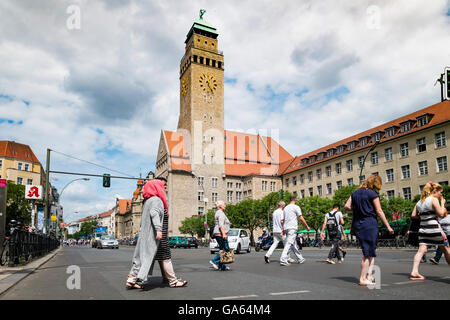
x: 201, y: 60
x: 195, y: 59
x: 207, y: 61
x: 219, y: 65
x: 214, y: 63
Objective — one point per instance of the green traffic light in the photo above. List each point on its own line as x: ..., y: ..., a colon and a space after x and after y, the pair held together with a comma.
x: 106, y: 180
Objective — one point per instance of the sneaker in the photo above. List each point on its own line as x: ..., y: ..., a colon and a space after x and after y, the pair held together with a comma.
x: 290, y: 260
x: 284, y: 263
x: 434, y: 261
x: 226, y: 268
x: 331, y: 262
x: 266, y: 259
x: 215, y: 266
x: 302, y: 260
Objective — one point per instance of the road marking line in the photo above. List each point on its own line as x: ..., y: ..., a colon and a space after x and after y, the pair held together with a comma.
x: 236, y: 297
x: 406, y: 282
x: 291, y: 292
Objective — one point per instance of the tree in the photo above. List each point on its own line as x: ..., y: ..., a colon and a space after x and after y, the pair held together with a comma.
x: 17, y: 207
x: 247, y: 214
x: 87, y: 228
x: 314, y: 209
x: 193, y: 226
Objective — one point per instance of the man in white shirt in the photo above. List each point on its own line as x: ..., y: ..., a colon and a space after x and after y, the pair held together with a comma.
x: 277, y: 229
x: 290, y: 227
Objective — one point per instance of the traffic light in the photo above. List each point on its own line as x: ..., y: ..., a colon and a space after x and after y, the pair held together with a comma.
x: 106, y: 180
x: 447, y: 84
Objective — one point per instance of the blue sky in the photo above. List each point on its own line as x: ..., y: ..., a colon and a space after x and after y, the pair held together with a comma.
x: 103, y: 92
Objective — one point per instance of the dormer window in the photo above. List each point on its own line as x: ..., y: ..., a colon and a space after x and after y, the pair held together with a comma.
x: 423, y: 120
x: 320, y: 156
x: 390, y: 132
x: 312, y: 159
x: 405, y: 126
x: 340, y: 149
x: 330, y: 152
x: 363, y: 141
x: 376, y: 136
x: 351, y: 145
x: 304, y: 162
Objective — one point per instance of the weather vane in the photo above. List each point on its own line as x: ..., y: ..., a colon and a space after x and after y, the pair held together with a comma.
x: 202, y: 12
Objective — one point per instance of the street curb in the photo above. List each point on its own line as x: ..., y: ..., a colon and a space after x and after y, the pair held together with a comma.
x: 13, y: 279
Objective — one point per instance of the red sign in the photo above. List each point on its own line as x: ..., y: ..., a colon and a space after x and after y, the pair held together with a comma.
x: 33, y: 192
x: 3, y: 183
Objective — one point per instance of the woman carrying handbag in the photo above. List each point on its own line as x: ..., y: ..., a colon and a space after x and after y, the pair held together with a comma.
x: 221, y: 228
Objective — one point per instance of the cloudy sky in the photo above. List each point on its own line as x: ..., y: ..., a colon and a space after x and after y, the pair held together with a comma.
x: 99, y: 79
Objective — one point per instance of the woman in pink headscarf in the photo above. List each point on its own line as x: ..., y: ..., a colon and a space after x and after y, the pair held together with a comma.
x: 153, y: 239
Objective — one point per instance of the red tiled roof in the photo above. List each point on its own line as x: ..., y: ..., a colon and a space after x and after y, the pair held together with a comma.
x: 178, y: 152
x: 439, y: 113
x: 245, y: 154
x: 124, y: 205
x: 105, y: 214
x: 12, y: 149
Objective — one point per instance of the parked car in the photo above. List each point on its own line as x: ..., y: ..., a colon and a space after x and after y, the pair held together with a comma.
x: 192, y: 242
x: 238, y: 239
x: 177, y: 242
x: 107, y: 241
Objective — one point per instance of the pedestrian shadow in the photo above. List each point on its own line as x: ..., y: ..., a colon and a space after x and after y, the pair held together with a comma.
x: 155, y: 282
x: 352, y: 280
x: 432, y: 278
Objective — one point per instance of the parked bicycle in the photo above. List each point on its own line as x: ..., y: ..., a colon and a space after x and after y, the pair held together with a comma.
x: 13, y: 225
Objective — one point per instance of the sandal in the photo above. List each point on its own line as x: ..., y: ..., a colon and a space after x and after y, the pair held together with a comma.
x: 133, y: 283
x: 178, y: 283
x: 419, y: 277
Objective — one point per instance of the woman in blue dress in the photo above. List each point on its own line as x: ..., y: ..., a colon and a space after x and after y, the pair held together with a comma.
x: 365, y: 205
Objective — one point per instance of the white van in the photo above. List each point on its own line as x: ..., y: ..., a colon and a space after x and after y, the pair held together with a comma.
x: 238, y: 239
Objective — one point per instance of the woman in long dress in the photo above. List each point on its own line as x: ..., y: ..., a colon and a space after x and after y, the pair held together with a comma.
x: 153, y: 239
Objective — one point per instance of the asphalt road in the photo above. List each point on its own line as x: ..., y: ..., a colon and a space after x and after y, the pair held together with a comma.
x: 103, y: 274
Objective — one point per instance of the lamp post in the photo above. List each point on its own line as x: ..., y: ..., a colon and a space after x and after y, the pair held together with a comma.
x: 59, y: 199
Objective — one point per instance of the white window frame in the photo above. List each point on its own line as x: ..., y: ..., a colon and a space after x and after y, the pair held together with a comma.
x: 439, y: 138
x: 423, y: 169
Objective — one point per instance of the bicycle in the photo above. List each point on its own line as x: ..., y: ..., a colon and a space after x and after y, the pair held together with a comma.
x: 4, y: 256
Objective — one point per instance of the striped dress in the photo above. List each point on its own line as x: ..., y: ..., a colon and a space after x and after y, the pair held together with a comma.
x: 429, y: 233
x: 163, y: 252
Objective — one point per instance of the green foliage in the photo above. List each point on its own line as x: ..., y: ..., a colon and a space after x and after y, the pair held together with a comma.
x: 314, y: 209
x: 86, y: 229
x: 195, y: 226
x: 17, y: 207
x: 341, y: 195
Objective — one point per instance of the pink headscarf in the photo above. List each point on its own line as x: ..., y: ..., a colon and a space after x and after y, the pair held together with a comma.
x: 156, y: 188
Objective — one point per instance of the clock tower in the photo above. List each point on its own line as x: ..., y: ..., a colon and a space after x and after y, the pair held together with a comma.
x: 202, y: 94
x: 201, y: 79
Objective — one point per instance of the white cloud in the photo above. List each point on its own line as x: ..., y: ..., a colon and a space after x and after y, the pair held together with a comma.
x: 119, y: 74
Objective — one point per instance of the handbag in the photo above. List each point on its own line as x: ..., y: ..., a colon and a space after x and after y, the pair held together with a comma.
x: 226, y: 256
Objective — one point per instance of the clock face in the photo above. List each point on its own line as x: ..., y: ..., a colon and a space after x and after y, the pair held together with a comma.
x: 184, y: 86
x: 208, y: 83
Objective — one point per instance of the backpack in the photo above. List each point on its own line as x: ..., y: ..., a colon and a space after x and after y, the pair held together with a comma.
x: 332, y: 225
x: 211, y: 231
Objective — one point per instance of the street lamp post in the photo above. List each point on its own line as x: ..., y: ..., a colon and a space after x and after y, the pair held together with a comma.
x: 59, y: 199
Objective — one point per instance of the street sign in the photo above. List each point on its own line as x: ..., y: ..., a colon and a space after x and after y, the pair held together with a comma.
x: 33, y: 192
x: 100, y: 229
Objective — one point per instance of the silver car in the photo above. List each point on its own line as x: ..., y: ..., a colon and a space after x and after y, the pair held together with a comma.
x: 107, y: 241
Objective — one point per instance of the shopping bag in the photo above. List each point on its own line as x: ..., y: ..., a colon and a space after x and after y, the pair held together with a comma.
x: 226, y: 256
